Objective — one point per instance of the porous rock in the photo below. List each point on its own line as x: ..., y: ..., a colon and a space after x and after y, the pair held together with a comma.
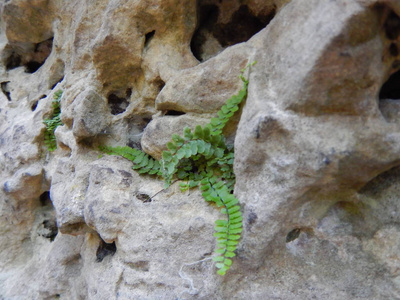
x: 317, y: 148
x: 88, y: 107
x: 26, y: 183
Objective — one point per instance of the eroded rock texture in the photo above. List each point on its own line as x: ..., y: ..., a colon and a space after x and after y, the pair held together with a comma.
x: 317, y: 148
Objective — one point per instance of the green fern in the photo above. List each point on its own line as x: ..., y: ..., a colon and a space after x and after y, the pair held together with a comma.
x: 227, y: 231
x: 143, y: 163
x: 201, y: 158
x: 53, y: 122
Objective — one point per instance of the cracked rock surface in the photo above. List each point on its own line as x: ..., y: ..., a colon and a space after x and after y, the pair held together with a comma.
x: 317, y: 148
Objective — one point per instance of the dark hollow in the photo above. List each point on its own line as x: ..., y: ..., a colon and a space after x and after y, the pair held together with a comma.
x: 105, y: 249
x: 174, y: 113
x: 391, y: 88
x: 117, y: 104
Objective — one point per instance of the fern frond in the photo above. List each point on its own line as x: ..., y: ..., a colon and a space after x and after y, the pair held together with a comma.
x: 227, y: 231
x: 143, y: 163
x: 217, y: 124
x: 201, y: 158
x: 53, y: 122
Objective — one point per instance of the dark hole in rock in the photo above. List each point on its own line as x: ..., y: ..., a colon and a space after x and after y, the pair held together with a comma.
x: 391, y: 88
x: 117, y: 104
x: 32, y: 66
x: 87, y: 142
x: 135, y: 131
x: 34, y: 105
x: 174, y: 113
x: 210, y: 31
x: 42, y: 50
x: 159, y: 83
x: 144, y: 198
x: 13, y: 61
x: 293, y: 235
x: 241, y: 28
x: 52, y: 229
x: 105, y: 249
x: 394, y: 51
x: 5, y: 89
x: 392, y: 26
x: 45, y: 199
x: 49, y: 228
x: 57, y: 82
x: 207, y: 18
x: 128, y: 92
x: 148, y: 37
x: 135, y: 144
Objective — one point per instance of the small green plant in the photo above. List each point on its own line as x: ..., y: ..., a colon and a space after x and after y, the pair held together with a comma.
x: 53, y: 122
x: 201, y: 158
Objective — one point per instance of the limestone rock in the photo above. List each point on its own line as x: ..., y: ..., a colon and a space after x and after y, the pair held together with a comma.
x: 384, y: 246
x: 26, y: 183
x: 88, y: 107
x: 68, y: 187
x: 210, y: 83
x: 317, y: 148
x: 28, y: 21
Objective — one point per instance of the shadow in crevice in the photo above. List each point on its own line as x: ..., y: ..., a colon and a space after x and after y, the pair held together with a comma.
x: 392, y: 26
x: 29, y: 55
x: 104, y: 249
x: 174, y: 113
x: 6, y: 90
x: 148, y: 37
x: 36, y: 102
x: 389, y: 96
x: 213, y: 35
x: 118, y: 101
x: 47, y: 227
x: 391, y: 88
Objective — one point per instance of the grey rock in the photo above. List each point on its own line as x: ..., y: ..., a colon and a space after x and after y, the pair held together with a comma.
x: 88, y: 107
x: 26, y: 183
x: 210, y: 83
x: 316, y: 148
x: 109, y: 198
x: 68, y: 189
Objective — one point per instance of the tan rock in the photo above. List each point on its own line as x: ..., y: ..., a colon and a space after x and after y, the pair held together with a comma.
x: 317, y: 148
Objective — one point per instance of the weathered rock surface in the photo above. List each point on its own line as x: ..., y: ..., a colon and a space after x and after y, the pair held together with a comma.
x: 317, y: 148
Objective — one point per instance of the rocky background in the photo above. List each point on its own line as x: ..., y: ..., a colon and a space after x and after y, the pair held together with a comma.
x: 317, y: 148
